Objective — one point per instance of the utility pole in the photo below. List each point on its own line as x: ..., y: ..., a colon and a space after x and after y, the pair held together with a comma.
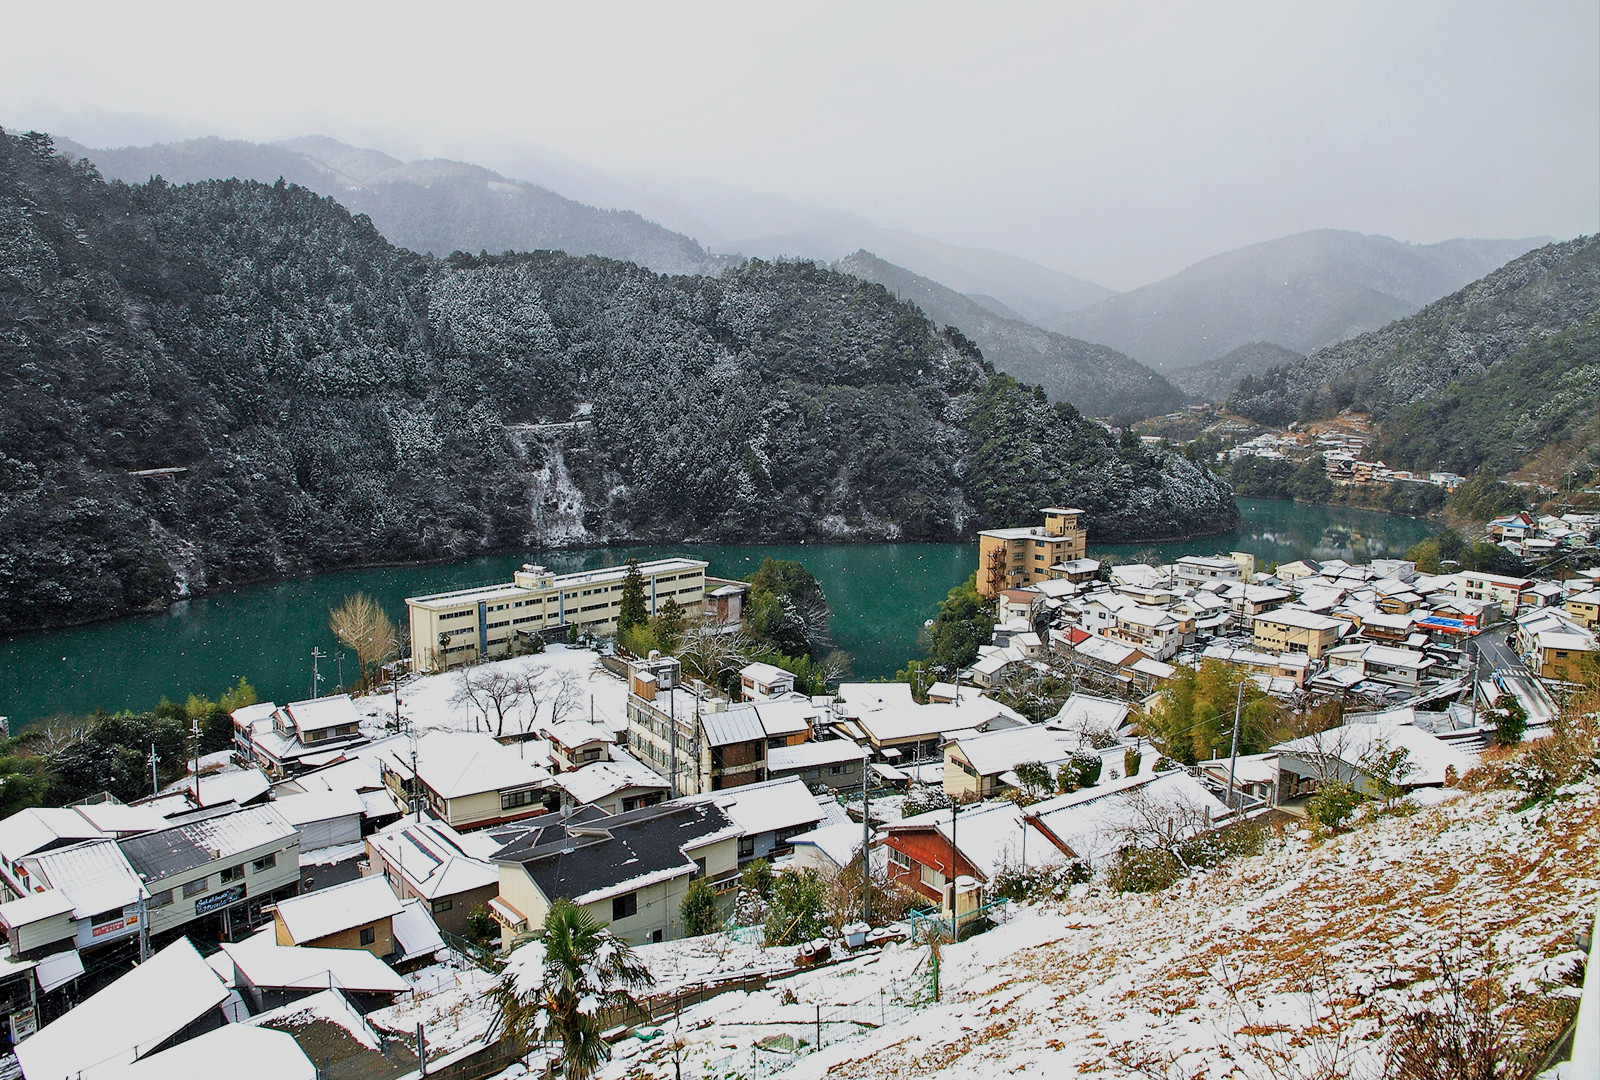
x: 155, y: 783
x: 1233, y: 760
x: 1477, y: 655
x: 316, y: 677
x: 341, y: 671
x: 416, y: 783
x: 866, y: 843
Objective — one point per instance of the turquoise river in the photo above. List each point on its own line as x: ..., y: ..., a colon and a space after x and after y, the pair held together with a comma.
x: 880, y: 594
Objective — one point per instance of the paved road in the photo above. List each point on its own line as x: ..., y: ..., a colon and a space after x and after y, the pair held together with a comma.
x: 1502, y: 663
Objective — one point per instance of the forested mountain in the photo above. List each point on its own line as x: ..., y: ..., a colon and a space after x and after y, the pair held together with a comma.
x: 1215, y: 379
x: 435, y: 206
x: 1095, y: 379
x: 334, y: 400
x: 1488, y: 375
x: 1300, y: 292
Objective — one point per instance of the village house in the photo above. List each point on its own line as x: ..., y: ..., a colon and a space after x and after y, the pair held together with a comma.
x: 172, y: 997
x: 1355, y: 752
x: 698, y: 743
x: 301, y: 735
x: 355, y: 914
x: 1506, y: 591
x: 617, y: 786
x: 576, y: 743
x: 1015, y: 558
x: 974, y: 764
x: 218, y: 864
x: 886, y: 719
x: 465, y: 778
x: 724, y: 600
x: 467, y: 625
x: 268, y: 975
x: 1556, y: 647
x: 1094, y: 824
x: 762, y: 682
x: 1292, y: 630
x: 431, y: 862
x: 1584, y: 607
x: 1382, y: 663
x: 927, y: 852
x: 627, y: 870
x: 769, y: 813
x: 1205, y: 569
x: 836, y: 763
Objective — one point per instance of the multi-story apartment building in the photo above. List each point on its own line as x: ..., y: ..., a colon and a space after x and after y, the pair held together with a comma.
x: 1293, y: 630
x: 700, y: 743
x: 470, y: 624
x: 1506, y: 591
x: 1014, y: 558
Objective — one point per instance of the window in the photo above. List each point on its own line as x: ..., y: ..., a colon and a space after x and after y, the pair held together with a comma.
x: 266, y: 862
x: 624, y: 906
x: 442, y: 905
x: 747, y: 846
x: 196, y: 887
x: 232, y: 874
x: 838, y: 770
x: 510, y: 800
x: 368, y: 935
x: 932, y: 877
x: 655, y: 936
x: 900, y: 858
x: 107, y: 918
x: 161, y: 899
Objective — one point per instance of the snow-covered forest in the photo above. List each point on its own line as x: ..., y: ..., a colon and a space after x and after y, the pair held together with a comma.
x: 310, y: 396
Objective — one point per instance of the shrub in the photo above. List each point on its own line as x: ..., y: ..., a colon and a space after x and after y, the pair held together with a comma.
x: 797, y: 910
x: 1144, y: 870
x: 1334, y: 804
x: 924, y: 798
x: 481, y: 926
x: 1050, y: 883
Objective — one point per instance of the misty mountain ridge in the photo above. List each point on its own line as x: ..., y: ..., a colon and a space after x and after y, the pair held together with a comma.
x: 1300, y: 292
x: 1490, y: 375
x: 1097, y: 380
x: 437, y: 206
x: 1215, y: 379
x: 434, y: 206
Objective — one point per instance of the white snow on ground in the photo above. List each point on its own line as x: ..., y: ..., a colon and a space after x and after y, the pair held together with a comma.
x: 697, y: 961
x: 1265, y: 967
x: 449, y: 1001
x: 427, y: 701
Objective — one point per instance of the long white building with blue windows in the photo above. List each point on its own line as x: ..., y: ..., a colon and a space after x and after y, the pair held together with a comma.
x: 466, y: 625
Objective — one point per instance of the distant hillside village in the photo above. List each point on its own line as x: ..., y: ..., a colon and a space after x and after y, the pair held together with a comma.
x: 337, y: 883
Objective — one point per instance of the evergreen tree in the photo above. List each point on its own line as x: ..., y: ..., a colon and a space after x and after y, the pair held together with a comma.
x: 632, y: 611
x: 699, y: 909
x: 559, y: 986
x: 797, y: 909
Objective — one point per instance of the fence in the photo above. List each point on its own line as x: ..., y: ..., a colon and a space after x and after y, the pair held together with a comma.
x: 831, y: 1025
x: 927, y: 924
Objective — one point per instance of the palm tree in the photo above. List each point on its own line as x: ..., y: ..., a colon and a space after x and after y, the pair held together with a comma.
x: 559, y: 985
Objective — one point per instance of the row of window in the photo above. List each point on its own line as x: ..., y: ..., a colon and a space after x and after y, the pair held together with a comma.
x: 227, y: 876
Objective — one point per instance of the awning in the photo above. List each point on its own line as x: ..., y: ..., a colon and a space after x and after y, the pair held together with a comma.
x: 58, y: 969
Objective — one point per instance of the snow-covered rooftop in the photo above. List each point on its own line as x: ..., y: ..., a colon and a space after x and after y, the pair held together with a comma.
x: 127, y: 1019
x: 250, y: 1053
x: 434, y: 858
x: 260, y: 961
x: 771, y: 806
x: 339, y: 907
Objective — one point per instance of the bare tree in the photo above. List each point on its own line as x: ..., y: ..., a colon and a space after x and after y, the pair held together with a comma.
x: 361, y: 624
x: 570, y: 699
x: 490, y: 689
x: 709, y: 650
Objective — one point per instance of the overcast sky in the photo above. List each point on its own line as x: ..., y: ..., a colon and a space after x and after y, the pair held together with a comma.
x: 1117, y: 141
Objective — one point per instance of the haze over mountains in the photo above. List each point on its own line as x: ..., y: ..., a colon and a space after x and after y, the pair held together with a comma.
x: 1086, y: 344
x: 1098, y: 380
x: 1300, y: 292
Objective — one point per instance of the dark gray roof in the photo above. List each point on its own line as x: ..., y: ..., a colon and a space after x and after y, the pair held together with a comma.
x: 589, y: 850
x: 158, y: 855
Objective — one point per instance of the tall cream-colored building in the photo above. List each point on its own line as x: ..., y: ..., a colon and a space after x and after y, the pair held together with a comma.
x: 468, y: 624
x: 1013, y: 558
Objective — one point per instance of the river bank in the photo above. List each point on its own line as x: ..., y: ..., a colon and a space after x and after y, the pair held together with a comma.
x: 880, y: 595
